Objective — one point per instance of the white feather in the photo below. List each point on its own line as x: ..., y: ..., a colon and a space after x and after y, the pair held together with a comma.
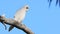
x: 20, y: 14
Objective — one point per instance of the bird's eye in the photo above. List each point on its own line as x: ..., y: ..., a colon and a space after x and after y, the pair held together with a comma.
x: 27, y: 8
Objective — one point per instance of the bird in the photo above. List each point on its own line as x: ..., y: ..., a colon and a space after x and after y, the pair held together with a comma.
x: 17, y: 20
x: 20, y: 15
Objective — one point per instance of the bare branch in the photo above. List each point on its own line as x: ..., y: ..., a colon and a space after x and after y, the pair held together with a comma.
x: 17, y: 25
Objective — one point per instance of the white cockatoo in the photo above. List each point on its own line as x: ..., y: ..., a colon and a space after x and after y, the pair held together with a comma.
x: 20, y: 15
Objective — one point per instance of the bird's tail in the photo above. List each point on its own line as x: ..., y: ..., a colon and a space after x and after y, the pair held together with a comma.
x: 10, y: 28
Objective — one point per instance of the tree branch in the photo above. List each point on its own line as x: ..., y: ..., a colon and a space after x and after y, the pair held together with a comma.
x: 17, y: 25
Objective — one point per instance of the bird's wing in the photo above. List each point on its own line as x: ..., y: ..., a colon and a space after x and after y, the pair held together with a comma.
x: 20, y: 14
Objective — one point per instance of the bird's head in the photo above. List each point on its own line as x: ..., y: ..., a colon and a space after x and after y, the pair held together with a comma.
x: 26, y: 7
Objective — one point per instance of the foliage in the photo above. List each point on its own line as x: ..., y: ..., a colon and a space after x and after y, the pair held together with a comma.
x: 57, y: 2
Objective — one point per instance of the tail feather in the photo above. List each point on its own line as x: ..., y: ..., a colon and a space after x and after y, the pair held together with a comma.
x: 10, y: 28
